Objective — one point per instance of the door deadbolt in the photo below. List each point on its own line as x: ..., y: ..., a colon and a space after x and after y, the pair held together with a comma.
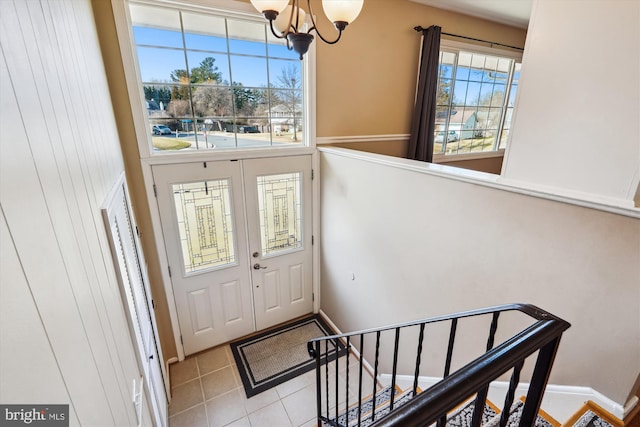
x: 256, y: 254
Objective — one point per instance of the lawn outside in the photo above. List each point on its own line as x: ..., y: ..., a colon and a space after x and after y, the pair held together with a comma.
x: 469, y: 145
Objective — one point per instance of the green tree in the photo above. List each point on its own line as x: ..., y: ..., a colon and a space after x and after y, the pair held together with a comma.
x: 158, y: 94
x: 206, y: 71
x: 245, y: 100
x: 182, y: 91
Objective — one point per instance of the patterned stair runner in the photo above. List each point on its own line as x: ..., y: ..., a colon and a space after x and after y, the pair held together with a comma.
x: 460, y: 417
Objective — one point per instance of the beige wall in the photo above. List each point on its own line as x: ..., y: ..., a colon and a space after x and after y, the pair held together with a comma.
x: 439, y: 245
x: 122, y: 108
x: 488, y: 164
x: 366, y: 82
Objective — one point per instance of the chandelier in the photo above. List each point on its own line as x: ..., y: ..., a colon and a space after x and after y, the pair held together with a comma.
x: 286, y: 21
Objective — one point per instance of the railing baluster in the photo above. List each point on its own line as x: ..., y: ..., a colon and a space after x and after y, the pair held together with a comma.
x: 360, y: 379
x: 335, y: 347
x: 395, y: 368
x: 478, y: 408
x: 346, y: 400
x: 452, y: 338
x: 511, y: 392
x: 442, y: 422
x: 326, y: 375
x: 318, y: 383
x: 539, y: 379
x: 418, y: 360
x: 375, y: 376
x: 492, y: 330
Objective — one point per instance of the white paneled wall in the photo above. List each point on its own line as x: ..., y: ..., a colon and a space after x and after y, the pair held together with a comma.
x: 65, y: 337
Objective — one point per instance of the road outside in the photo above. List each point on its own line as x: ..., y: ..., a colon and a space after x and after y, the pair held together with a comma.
x: 221, y: 140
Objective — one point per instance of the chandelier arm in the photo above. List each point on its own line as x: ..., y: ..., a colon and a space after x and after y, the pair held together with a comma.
x: 275, y: 34
x: 294, y: 11
x: 314, y: 27
x: 325, y: 40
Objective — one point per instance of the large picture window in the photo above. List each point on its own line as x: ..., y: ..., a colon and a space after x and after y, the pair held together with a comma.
x: 475, y: 101
x: 216, y: 82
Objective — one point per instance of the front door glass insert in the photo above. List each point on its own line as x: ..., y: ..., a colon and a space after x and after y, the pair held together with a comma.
x: 280, y: 212
x: 205, y: 224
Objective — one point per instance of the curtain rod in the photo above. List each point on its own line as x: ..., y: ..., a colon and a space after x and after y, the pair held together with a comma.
x: 421, y: 29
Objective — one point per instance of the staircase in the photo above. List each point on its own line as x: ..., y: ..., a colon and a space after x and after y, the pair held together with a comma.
x: 521, y: 341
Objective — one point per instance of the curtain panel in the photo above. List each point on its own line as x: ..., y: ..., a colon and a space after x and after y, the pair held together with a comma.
x: 424, y: 114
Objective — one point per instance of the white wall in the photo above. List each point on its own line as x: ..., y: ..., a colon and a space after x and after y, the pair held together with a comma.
x: 64, y: 334
x: 420, y: 245
x: 577, y: 124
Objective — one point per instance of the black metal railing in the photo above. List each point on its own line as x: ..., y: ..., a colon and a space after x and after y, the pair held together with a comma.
x: 377, y: 353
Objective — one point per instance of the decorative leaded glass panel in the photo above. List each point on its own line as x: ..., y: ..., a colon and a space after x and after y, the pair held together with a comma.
x: 205, y: 224
x: 280, y: 212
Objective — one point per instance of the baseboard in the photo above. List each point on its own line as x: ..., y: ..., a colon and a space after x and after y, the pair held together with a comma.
x: 560, y: 401
x: 169, y: 362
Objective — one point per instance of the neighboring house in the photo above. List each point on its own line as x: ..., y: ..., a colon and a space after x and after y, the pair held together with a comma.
x: 280, y: 119
x: 397, y: 242
x: 467, y: 123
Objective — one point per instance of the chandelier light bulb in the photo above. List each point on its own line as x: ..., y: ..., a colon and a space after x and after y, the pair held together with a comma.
x: 342, y: 10
x: 282, y: 21
x: 265, y: 5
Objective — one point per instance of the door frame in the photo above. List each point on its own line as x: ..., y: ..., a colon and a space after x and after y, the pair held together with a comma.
x: 154, y: 211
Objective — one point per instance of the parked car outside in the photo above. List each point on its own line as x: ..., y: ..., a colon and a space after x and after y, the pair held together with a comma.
x: 249, y: 129
x: 452, y: 136
x: 161, y: 130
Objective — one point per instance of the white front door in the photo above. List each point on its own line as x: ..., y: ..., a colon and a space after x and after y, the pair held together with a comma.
x: 218, y: 223
x: 279, y: 211
x: 203, y: 223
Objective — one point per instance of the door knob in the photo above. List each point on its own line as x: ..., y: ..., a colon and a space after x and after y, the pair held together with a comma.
x: 257, y: 266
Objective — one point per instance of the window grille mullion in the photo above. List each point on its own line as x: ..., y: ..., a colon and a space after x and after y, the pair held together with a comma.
x: 505, y: 105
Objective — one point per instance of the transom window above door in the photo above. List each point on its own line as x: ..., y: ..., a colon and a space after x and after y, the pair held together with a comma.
x: 216, y: 82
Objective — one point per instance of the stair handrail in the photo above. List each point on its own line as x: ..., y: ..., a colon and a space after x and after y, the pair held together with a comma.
x: 430, y: 405
x: 530, y: 309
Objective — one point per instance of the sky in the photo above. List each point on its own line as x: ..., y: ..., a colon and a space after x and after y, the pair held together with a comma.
x: 161, y: 51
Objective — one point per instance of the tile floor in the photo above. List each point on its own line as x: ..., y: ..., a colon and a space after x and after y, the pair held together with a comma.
x: 207, y: 391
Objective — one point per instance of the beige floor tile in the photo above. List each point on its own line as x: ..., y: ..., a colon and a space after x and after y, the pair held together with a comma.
x: 293, y: 385
x: 273, y: 415
x: 226, y: 408
x: 219, y: 382
x: 242, y: 422
x: 261, y: 400
x: 301, y: 405
x: 182, y: 372
x: 310, y: 423
x: 213, y: 359
x: 195, y: 417
x: 185, y: 396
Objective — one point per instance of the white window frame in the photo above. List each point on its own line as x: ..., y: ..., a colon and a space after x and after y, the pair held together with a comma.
x: 230, y: 9
x: 455, y: 47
